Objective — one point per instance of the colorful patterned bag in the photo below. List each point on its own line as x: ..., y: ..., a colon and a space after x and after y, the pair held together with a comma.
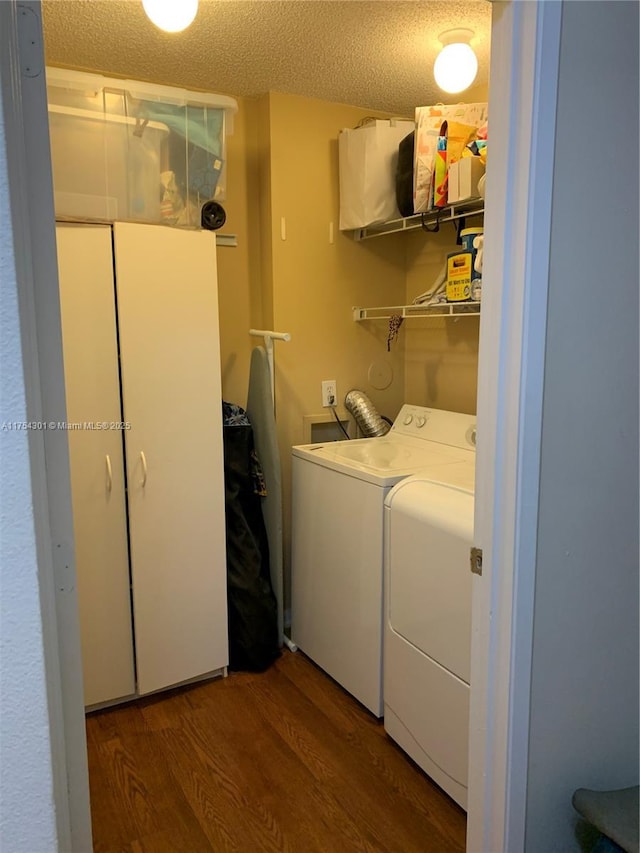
x: 428, y: 123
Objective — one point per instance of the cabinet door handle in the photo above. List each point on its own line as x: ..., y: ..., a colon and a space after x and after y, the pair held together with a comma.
x: 143, y: 459
x: 109, y: 473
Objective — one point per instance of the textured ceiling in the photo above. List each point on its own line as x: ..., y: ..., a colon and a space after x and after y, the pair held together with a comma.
x: 377, y: 54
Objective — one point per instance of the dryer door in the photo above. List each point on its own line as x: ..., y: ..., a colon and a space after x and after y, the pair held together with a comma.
x: 430, y: 530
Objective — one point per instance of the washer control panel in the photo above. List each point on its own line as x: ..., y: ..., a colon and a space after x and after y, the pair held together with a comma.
x: 452, y: 428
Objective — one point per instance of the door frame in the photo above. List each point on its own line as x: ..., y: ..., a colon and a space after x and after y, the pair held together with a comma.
x: 523, y: 100
x: 525, y: 52
x: 28, y: 157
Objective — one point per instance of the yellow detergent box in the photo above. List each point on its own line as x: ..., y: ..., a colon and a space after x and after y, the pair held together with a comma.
x: 459, y: 274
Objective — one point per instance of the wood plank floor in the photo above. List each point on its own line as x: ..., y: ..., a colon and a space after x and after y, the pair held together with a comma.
x: 279, y: 761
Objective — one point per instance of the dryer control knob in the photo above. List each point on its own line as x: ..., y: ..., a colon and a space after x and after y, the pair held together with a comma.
x: 420, y: 422
x: 407, y: 420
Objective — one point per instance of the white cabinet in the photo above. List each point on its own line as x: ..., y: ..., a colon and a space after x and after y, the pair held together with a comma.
x: 154, y: 290
x: 96, y: 458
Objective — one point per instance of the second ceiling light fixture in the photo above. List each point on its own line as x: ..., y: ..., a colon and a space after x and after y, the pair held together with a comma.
x: 172, y: 16
x: 456, y: 65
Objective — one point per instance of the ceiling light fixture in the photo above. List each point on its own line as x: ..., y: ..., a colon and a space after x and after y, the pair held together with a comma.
x: 172, y: 16
x: 456, y: 65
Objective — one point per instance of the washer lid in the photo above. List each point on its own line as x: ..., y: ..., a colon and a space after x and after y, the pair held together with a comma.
x: 428, y: 533
x: 384, y: 460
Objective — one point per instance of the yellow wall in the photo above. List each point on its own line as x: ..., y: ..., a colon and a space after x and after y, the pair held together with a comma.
x: 441, y: 355
x: 240, y: 277
x: 282, y: 161
x: 315, y: 282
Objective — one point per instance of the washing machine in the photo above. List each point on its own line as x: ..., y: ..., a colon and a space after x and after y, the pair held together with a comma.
x: 427, y: 638
x: 338, y: 494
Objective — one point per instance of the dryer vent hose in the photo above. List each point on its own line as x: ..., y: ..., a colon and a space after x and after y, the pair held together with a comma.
x: 365, y: 414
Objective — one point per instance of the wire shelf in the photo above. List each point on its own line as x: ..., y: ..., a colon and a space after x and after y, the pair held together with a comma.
x: 440, y: 309
x: 429, y: 221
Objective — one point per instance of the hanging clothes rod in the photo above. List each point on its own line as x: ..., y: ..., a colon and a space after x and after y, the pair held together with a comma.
x: 269, y: 338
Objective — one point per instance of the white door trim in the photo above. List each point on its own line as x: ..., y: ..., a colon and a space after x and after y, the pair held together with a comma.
x: 33, y: 225
x: 523, y: 99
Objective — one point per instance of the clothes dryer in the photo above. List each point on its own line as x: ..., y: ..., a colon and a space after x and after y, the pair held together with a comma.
x: 338, y: 494
x: 427, y: 640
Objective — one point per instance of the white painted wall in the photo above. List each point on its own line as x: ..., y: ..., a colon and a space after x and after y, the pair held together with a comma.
x: 584, y: 688
x: 27, y: 817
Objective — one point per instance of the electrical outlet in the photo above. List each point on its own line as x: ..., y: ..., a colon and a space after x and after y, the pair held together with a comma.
x: 329, y: 393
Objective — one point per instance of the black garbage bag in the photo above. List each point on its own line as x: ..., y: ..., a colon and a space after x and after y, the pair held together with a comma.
x: 253, y: 616
x: 404, y: 175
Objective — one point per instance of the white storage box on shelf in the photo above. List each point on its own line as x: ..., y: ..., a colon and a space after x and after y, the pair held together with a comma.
x: 463, y: 179
x: 123, y: 149
x: 368, y: 160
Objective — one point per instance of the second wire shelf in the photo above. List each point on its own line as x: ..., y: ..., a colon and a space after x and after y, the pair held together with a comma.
x: 440, y: 309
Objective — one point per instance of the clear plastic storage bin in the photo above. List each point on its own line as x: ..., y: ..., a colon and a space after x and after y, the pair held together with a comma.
x: 128, y: 150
